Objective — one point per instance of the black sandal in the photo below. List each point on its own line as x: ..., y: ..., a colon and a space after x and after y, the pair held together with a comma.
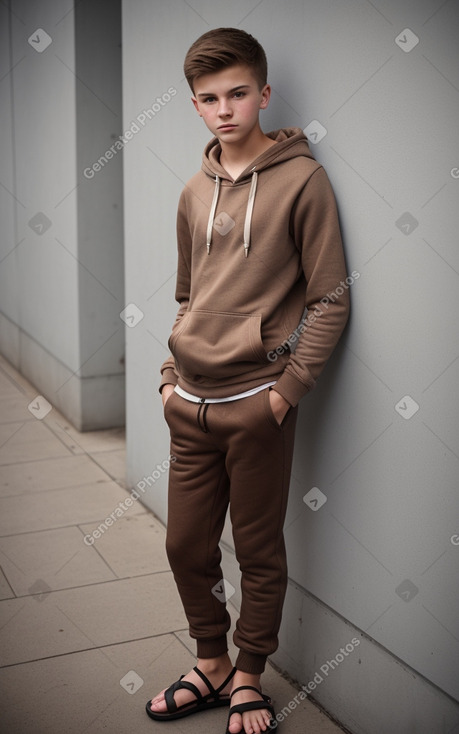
x: 252, y: 706
x: 210, y: 700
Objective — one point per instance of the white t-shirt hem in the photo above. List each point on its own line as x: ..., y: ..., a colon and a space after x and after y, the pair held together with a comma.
x: 239, y: 396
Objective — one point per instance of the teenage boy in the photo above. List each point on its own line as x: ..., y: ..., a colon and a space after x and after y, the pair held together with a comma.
x: 258, y: 242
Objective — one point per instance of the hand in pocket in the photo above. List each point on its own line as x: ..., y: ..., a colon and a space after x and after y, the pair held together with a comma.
x: 166, y: 392
x: 279, y: 406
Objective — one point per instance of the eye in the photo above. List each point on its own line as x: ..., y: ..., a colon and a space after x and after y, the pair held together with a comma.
x: 209, y: 99
x: 239, y: 95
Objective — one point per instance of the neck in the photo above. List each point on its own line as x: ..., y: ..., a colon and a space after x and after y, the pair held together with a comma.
x: 243, y: 152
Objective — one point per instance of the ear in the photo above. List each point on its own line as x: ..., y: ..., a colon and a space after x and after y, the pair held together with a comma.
x: 265, y: 96
x: 196, y: 105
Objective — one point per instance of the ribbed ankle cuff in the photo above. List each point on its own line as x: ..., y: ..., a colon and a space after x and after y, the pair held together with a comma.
x: 211, y: 648
x: 248, y: 662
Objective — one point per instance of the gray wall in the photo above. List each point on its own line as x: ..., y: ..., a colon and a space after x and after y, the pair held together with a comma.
x: 378, y: 437
x: 61, y: 244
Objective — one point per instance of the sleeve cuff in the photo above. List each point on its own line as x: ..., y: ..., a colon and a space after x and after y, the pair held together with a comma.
x: 292, y: 389
x: 168, y: 378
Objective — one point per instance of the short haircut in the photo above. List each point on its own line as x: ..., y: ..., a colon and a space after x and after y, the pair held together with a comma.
x: 225, y: 47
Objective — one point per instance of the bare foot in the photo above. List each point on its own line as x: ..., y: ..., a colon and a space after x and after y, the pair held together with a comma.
x: 251, y: 722
x: 215, y: 669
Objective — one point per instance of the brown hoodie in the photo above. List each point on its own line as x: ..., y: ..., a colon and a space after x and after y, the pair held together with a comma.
x: 253, y: 253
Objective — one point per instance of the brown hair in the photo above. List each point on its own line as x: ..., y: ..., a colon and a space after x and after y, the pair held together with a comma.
x: 223, y: 47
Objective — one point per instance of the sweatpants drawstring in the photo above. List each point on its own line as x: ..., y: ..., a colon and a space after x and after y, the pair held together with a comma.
x: 203, y: 408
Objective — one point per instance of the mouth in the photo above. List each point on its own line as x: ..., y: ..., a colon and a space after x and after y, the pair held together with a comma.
x: 227, y: 127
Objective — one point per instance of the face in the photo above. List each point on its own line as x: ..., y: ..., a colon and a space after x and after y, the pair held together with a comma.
x: 229, y: 102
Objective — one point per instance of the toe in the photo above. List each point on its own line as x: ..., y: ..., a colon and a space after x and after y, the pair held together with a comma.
x: 256, y: 722
x: 158, y: 703
x: 235, y: 725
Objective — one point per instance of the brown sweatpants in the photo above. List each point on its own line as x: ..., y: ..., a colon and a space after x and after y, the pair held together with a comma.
x: 236, y: 453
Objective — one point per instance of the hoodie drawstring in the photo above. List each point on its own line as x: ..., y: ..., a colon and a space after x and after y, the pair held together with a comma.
x: 210, y: 223
x: 248, y: 214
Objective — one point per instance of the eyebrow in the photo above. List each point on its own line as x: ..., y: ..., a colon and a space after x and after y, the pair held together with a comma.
x: 234, y: 89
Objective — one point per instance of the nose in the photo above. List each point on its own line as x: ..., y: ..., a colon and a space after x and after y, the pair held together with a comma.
x: 224, y: 108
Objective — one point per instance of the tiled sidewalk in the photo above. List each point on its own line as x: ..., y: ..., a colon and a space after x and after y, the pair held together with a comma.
x: 88, y: 633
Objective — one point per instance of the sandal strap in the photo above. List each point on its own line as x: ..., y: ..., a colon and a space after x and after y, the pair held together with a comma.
x: 172, y: 707
x: 169, y: 694
x: 241, y: 708
x: 246, y: 688
x: 205, y: 679
x: 251, y: 705
x: 225, y: 682
x: 214, y: 692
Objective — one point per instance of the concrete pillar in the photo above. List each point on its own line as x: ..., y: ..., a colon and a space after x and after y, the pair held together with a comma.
x: 61, y: 280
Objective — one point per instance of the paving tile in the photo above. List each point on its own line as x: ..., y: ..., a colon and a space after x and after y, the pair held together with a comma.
x: 58, y: 622
x: 81, y: 693
x: 90, y: 442
x: 125, y: 610
x: 59, y: 559
x: 14, y: 409
x: 34, y: 627
x: 61, y: 507
x: 111, y: 439
x: 299, y: 716
x: 114, y: 463
x: 133, y: 545
x: 60, y: 427
x: 6, y: 591
x: 10, y: 373
x: 8, y: 387
x: 28, y: 441
x: 48, y: 474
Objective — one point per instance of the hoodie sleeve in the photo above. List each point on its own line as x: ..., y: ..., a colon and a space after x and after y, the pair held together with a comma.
x: 317, y: 235
x: 182, y: 288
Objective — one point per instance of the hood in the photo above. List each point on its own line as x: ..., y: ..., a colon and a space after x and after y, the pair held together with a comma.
x: 291, y: 143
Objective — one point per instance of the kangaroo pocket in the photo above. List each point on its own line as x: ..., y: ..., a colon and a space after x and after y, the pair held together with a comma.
x: 217, y: 345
